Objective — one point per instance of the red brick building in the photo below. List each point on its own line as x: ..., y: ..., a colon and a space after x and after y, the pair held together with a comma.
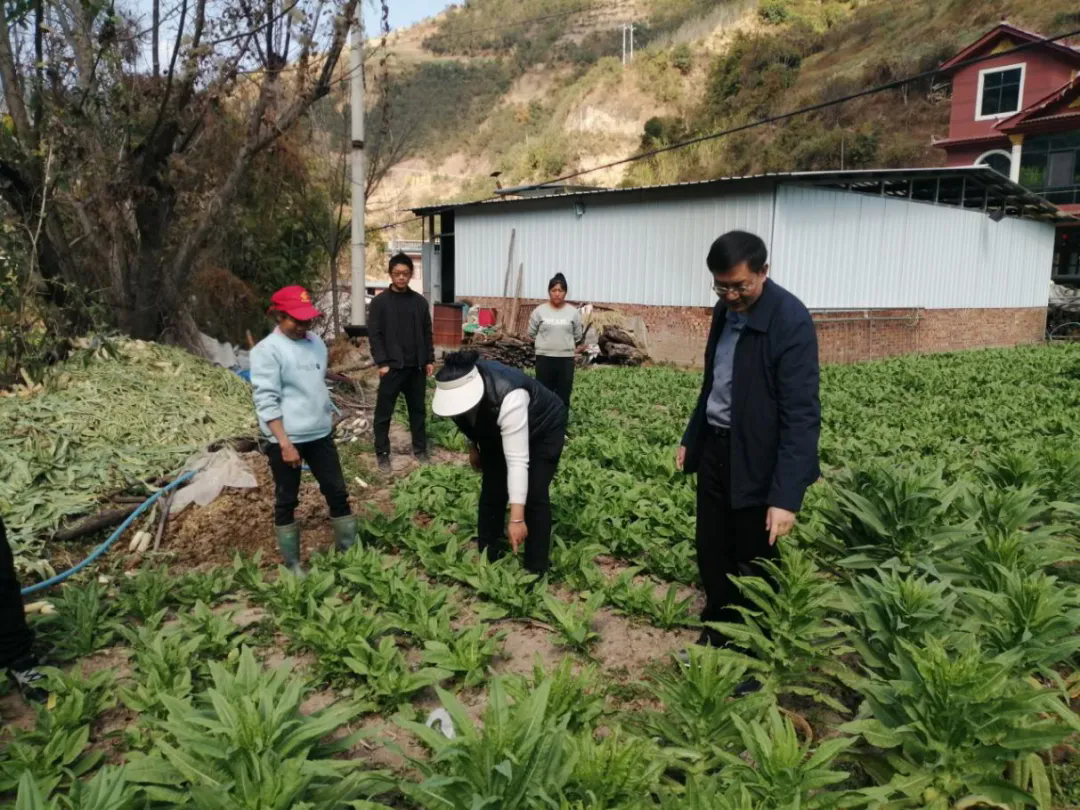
x: 1018, y: 111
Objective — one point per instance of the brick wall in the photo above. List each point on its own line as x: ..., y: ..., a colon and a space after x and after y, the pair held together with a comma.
x: 678, y: 334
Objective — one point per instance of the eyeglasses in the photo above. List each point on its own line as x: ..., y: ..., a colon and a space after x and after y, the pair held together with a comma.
x: 729, y: 289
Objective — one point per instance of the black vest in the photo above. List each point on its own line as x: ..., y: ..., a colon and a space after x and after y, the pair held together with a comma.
x: 547, y: 414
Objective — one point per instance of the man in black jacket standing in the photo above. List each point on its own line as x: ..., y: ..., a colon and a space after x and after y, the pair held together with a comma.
x: 753, y: 437
x: 403, y: 348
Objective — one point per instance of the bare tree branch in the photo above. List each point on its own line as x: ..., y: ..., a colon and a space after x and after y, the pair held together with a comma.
x: 155, y: 33
x: 13, y: 91
x: 258, y: 140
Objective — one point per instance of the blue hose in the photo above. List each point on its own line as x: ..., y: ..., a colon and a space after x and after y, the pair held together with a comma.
x: 40, y: 586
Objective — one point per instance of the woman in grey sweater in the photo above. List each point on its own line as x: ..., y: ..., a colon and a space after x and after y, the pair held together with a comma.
x: 557, y: 330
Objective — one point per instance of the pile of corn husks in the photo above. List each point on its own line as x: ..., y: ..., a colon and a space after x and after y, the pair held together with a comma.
x: 126, y: 412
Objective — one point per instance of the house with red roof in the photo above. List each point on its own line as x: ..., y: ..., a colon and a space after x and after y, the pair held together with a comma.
x: 1018, y: 112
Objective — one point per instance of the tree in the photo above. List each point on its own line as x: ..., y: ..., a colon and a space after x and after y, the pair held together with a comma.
x: 128, y: 202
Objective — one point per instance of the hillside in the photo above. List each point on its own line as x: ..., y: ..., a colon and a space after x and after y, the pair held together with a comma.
x: 538, y: 89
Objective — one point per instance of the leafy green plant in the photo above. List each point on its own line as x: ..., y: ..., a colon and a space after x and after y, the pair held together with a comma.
x: 385, y: 676
x: 248, y: 573
x: 55, y: 752
x: 329, y: 627
x: 509, y: 585
x: 289, y: 595
x: 52, y: 756
x: 574, y: 621
x: 206, y: 586
x: 84, y: 621
x: 781, y: 771
x: 244, y: 743
x: 521, y: 757
x: 881, y: 516
x: 951, y: 723
x: 893, y: 607
x: 105, y: 790
x: 698, y: 712
x: 791, y: 640
x: 579, y: 697
x: 1031, y: 620
x: 75, y: 700
x: 617, y: 769
x: 220, y: 636
x: 164, y: 666
x: 467, y: 654
x: 146, y: 593
x: 671, y: 611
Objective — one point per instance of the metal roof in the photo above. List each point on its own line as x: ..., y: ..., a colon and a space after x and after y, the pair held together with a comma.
x: 972, y: 187
x: 546, y: 190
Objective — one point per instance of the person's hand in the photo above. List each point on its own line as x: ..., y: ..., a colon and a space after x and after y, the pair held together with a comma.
x: 474, y: 458
x: 778, y: 522
x: 290, y: 455
x: 580, y: 349
x: 680, y: 457
x: 384, y: 370
x: 517, y: 533
x: 429, y: 369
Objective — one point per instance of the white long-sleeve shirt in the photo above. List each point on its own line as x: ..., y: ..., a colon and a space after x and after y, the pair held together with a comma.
x: 514, y: 425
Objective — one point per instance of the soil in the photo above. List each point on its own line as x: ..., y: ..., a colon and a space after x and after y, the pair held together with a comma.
x: 242, y: 520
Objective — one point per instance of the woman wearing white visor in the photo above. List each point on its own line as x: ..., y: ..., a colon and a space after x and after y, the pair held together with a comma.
x: 516, y: 428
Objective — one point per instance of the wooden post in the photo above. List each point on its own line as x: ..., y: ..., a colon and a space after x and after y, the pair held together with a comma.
x: 517, y: 299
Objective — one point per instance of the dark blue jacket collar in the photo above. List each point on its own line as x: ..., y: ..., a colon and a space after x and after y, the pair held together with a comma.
x: 761, y: 314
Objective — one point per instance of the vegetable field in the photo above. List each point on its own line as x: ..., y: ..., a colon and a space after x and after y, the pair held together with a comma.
x: 919, y: 648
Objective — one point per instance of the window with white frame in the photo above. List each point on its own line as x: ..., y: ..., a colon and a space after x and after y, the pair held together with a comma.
x: 1001, y: 91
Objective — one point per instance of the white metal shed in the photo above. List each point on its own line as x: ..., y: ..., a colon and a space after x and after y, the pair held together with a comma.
x: 908, y: 238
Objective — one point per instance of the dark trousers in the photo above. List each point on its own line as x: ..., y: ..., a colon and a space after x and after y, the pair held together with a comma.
x: 729, y: 541
x: 322, y: 457
x: 15, y: 636
x: 491, y: 521
x: 557, y: 375
x: 413, y: 383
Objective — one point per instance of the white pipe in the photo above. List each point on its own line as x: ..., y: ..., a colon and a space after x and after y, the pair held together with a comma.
x: 357, y: 103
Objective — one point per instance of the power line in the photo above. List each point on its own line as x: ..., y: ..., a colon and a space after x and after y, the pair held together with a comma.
x: 893, y: 85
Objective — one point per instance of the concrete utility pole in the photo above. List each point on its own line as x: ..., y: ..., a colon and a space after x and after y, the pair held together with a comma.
x: 359, y: 171
x: 627, y: 37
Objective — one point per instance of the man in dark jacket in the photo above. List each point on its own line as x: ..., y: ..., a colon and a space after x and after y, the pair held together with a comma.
x: 404, y: 351
x: 753, y: 437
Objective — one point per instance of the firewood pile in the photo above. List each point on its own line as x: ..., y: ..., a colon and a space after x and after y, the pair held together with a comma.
x: 617, y: 347
x: 507, y: 350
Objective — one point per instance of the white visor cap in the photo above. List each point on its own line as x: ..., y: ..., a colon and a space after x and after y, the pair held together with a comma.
x: 455, y: 397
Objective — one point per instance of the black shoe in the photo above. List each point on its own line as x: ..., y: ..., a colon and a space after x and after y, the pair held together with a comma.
x: 31, y: 683
x: 747, y: 687
x: 422, y: 457
x: 384, y: 464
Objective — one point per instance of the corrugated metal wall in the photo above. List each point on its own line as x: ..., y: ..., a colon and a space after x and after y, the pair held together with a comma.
x: 633, y: 252
x: 836, y: 249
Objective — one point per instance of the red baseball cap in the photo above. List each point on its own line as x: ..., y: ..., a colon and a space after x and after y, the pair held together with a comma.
x: 295, y: 302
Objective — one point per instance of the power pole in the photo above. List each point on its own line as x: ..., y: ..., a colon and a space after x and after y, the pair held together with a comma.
x: 624, y: 44
x: 359, y: 171
x: 627, y: 37
x: 631, y: 42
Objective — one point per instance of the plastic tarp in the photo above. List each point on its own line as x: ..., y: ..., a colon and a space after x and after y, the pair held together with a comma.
x: 213, y: 473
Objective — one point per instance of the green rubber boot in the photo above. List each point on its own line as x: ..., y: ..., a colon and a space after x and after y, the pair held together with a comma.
x: 344, y: 532
x: 288, y: 540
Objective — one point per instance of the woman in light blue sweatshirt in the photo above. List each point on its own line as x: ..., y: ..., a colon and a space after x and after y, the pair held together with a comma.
x: 292, y: 403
